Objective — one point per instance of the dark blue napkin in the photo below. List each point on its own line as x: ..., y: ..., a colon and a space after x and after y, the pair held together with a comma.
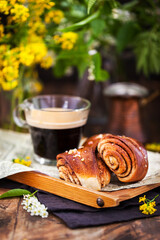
x: 76, y: 215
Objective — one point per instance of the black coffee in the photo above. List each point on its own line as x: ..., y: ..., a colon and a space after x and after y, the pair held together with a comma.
x: 48, y: 143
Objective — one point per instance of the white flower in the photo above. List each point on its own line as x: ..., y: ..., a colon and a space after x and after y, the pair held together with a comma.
x: 23, y: 202
x: 122, y: 15
x: 92, y: 52
x: 39, y: 211
x: 25, y: 207
x: 26, y: 196
x: 33, y: 201
x: 44, y: 214
x: 30, y: 208
x: 35, y: 212
x: 43, y: 207
x: 34, y: 207
x: 91, y: 75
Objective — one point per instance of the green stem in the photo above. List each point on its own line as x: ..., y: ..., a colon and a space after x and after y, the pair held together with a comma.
x: 33, y: 193
x: 81, y: 23
x: 21, y: 75
x: 14, y: 97
x: 154, y: 197
x: 148, y: 201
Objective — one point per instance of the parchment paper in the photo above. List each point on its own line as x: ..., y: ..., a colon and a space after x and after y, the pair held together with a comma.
x: 14, y: 144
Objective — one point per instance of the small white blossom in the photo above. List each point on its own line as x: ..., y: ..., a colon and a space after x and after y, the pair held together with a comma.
x: 26, y: 196
x: 91, y: 75
x: 34, y: 201
x: 23, y: 202
x: 33, y: 206
x: 25, y: 207
x: 34, y: 212
x: 92, y: 52
x: 44, y: 214
x: 43, y: 207
x: 30, y: 208
x: 122, y: 15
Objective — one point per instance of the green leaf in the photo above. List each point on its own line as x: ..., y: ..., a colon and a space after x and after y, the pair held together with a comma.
x: 126, y: 35
x: 82, y: 66
x: 59, y: 69
x: 130, y: 5
x: 70, y: 54
x: 81, y: 23
x: 90, y: 5
x: 14, y: 193
x: 111, y: 4
x: 100, y: 74
x: 103, y: 76
x: 147, y: 52
x: 77, y: 10
x: 97, y: 63
x: 98, y: 26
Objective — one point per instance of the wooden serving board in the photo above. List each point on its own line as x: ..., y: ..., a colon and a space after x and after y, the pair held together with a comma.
x: 78, y: 193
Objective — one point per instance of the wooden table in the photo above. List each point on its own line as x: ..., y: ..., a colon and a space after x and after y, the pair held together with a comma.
x: 17, y: 224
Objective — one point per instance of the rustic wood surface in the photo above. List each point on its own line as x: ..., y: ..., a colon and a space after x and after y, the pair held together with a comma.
x: 17, y: 224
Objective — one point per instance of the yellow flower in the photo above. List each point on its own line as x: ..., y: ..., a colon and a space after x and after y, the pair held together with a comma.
x: 67, y: 45
x: 46, y: 62
x: 39, y: 50
x: 45, y: 3
x: 10, y: 73
x: 148, y: 208
x: 17, y: 160
x: 20, y: 13
x: 42, y: 2
x: 148, y: 205
x: 9, y: 68
x: 153, y: 147
x: 3, y: 49
x: 28, y: 163
x: 57, y: 39
x: 67, y: 40
x: 55, y: 16
x: 33, y: 52
x: 26, y: 56
x: 38, y: 47
x: 37, y: 26
x: 39, y: 6
x: 12, y: 2
x: 22, y: 161
x: 35, y: 85
x: 69, y: 36
x: 38, y: 87
x: 142, y: 199
x: 4, y: 7
x: 7, y: 86
x: 1, y: 77
x: 1, y: 31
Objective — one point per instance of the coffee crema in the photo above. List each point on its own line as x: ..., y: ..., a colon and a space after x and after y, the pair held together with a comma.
x: 55, y: 130
x: 56, y: 118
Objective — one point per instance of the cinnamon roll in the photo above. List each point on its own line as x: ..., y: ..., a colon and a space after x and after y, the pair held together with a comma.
x: 83, y: 167
x: 124, y: 156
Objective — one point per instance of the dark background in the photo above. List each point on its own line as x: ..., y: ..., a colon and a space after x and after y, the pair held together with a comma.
x: 99, y: 113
